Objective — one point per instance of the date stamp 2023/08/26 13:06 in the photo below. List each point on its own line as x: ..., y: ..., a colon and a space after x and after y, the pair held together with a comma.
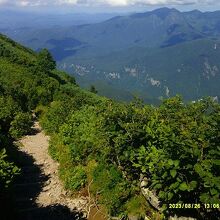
x: 193, y: 206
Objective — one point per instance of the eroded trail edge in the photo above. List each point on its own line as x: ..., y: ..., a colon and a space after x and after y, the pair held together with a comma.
x: 52, y: 191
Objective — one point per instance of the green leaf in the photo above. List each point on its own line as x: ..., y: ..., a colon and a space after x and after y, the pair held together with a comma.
x: 170, y: 195
x: 162, y: 194
x: 204, y: 198
x: 170, y: 162
x: 199, y: 169
x: 176, y: 163
x: 216, y: 162
x: 158, y: 186
x: 174, y: 185
x: 183, y: 186
x: 178, y: 179
x: 193, y: 185
x: 164, y: 175
x: 213, y: 192
x: 173, y: 173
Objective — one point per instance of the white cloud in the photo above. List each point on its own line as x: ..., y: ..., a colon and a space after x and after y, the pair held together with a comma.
x: 106, y: 2
x: 117, y: 2
x: 72, y: 2
x: 24, y: 3
x: 3, y: 2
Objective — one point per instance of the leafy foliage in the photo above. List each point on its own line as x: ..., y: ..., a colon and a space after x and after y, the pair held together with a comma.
x: 7, y: 171
x: 45, y: 61
x: 176, y: 146
x: 20, y: 125
x: 27, y: 80
x: 74, y: 177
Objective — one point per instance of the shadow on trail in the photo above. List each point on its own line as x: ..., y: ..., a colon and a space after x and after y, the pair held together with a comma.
x: 34, y: 131
x: 53, y: 212
x: 18, y: 203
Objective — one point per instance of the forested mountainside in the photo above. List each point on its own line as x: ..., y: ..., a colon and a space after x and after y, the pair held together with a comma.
x: 137, y: 160
x: 154, y: 54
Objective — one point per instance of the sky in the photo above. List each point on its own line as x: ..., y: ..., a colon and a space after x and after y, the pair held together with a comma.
x: 110, y: 5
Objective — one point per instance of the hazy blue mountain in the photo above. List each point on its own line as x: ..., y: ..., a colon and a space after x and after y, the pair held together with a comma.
x: 14, y: 19
x: 153, y: 54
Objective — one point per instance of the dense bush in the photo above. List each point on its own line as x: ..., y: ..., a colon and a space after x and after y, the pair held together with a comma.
x: 181, y: 155
x: 73, y: 177
x: 110, y: 186
x: 175, y: 146
x: 20, y: 125
x: 45, y: 61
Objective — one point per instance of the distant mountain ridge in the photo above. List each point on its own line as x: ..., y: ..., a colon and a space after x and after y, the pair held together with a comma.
x: 153, y: 54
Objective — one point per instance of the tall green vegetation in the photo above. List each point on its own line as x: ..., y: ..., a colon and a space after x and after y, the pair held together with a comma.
x: 106, y: 147
x: 93, y: 89
x: 45, y: 61
x: 27, y: 80
x: 174, y: 146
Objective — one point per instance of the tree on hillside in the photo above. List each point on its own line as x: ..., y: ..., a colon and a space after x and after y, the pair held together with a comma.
x: 45, y: 61
x: 93, y: 89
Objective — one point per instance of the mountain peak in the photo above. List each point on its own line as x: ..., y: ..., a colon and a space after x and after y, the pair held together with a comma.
x: 160, y: 12
x: 194, y: 12
x: 164, y: 12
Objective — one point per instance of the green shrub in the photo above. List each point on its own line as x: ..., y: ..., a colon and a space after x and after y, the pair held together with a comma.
x: 8, y: 171
x: 181, y: 155
x: 45, y: 61
x: 20, y: 125
x: 73, y: 177
x: 137, y: 206
x: 111, y: 188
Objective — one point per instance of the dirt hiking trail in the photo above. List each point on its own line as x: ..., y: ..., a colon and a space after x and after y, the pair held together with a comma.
x: 39, y: 194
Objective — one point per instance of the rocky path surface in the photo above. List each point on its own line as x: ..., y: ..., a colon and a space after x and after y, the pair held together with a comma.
x: 39, y: 194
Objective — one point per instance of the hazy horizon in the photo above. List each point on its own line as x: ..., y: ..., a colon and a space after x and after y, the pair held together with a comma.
x: 106, y: 6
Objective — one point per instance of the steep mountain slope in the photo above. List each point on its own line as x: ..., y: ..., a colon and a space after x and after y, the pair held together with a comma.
x: 188, y: 69
x: 152, y: 54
